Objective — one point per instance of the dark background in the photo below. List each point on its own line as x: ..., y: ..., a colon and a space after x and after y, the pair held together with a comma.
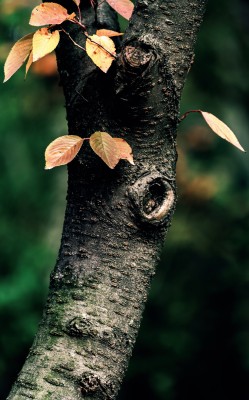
x: 193, y: 343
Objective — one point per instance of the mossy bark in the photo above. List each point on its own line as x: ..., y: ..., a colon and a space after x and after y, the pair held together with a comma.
x: 116, y: 220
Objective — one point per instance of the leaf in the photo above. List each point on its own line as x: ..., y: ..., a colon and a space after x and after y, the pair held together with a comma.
x: 77, y: 2
x: 105, y: 147
x: 221, y: 129
x: 123, y: 7
x: 101, y: 57
x: 125, y: 150
x: 108, y: 33
x: 17, y: 56
x: 62, y: 150
x: 44, y: 42
x: 49, y: 14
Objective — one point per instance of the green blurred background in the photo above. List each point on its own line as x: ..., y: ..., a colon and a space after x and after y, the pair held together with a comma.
x: 193, y: 342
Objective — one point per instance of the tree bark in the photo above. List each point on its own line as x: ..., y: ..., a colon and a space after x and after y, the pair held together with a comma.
x: 116, y: 220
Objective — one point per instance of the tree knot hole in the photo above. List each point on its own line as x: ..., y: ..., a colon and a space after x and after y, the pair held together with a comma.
x: 153, y: 197
x: 137, y: 56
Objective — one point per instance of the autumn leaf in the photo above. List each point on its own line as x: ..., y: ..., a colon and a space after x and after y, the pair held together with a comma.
x: 62, y: 150
x: 108, y: 33
x: 101, y: 56
x: 125, y: 151
x: 44, y: 42
x: 221, y: 129
x: 77, y: 2
x: 105, y: 147
x: 17, y: 56
x: 123, y: 7
x: 49, y: 14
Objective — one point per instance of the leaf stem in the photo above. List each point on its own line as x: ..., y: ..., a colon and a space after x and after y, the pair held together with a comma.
x: 187, y: 113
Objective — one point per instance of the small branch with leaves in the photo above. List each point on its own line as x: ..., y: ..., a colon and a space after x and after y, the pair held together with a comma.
x: 101, y: 49
x: 32, y: 47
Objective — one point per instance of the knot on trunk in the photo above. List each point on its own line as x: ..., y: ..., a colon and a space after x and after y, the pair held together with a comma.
x: 153, y: 197
x: 93, y: 386
x: 136, y: 56
x: 89, y: 383
x: 79, y: 327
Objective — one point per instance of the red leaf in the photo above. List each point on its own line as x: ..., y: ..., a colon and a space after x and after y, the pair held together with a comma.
x: 123, y: 7
x: 62, y: 150
x: 17, y: 56
x: 105, y: 147
x: 49, y: 14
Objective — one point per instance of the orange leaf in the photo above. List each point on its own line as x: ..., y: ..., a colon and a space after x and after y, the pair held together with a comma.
x: 123, y: 7
x: 108, y: 32
x: 105, y: 147
x: 125, y: 151
x: 17, y: 56
x: 101, y: 57
x: 49, y: 14
x: 77, y: 2
x: 62, y: 150
x: 44, y: 42
x: 221, y: 129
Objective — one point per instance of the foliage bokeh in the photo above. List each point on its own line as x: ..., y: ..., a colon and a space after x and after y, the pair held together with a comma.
x: 193, y: 341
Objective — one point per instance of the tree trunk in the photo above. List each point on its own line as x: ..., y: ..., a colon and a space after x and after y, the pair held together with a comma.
x: 115, y: 220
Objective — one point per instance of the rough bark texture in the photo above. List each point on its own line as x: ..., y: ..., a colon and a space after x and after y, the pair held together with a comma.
x: 115, y: 220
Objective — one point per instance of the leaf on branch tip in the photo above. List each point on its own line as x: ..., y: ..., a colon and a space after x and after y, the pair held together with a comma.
x: 101, y: 50
x: 44, y: 42
x: 62, y: 150
x: 77, y: 2
x: 49, y: 14
x: 221, y: 129
x: 17, y: 56
x: 123, y: 7
x: 108, y: 33
x: 125, y: 151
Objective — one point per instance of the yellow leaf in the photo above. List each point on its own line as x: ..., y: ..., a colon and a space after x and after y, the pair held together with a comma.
x: 125, y: 151
x: 108, y: 33
x: 62, y: 150
x: 221, y: 129
x: 101, y: 55
x: 17, y: 56
x: 49, y: 14
x: 44, y: 42
x: 123, y: 7
x: 105, y: 147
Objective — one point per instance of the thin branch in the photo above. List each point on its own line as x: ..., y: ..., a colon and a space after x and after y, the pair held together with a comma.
x: 187, y: 113
x: 70, y: 37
